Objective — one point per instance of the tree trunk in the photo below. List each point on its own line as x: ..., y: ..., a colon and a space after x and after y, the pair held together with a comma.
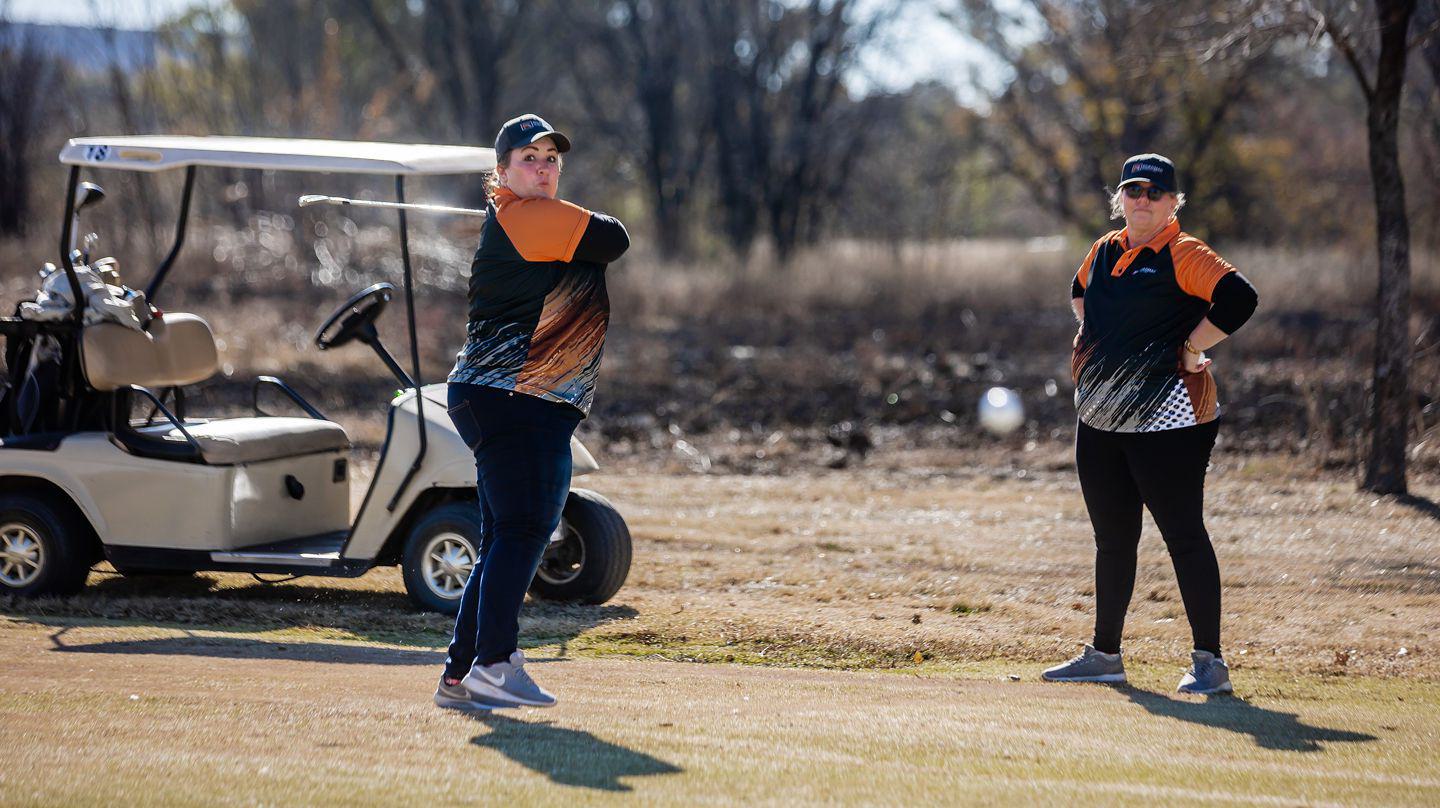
x: 1390, y: 413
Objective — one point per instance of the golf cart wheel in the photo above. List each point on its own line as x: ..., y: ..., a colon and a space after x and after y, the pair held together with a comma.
x: 589, y: 554
x: 43, y: 547
x: 439, y: 554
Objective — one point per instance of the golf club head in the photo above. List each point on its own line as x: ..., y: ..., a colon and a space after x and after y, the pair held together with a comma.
x: 88, y: 194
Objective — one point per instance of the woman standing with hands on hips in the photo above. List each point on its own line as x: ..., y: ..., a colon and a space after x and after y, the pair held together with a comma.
x: 538, y: 312
x: 1150, y: 300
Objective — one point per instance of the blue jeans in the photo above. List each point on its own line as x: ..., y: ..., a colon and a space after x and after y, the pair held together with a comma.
x: 522, y: 463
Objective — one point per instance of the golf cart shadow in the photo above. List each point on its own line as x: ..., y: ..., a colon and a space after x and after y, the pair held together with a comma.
x: 544, y: 625
x: 1271, y: 729
x: 324, y: 603
x: 569, y: 757
x: 192, y: 644
x: 315, y: 592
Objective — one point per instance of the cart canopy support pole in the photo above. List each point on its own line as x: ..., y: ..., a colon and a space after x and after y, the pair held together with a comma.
x: 75, y: 292
x: 414, y: 344
x: 180, y: 228
x: 70, y: 373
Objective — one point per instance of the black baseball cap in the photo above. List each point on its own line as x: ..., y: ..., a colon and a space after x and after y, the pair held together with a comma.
x: 527, y: 129
x: 1152, y: 168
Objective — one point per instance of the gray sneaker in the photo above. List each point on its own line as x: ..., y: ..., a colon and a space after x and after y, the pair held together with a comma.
x: 456, y: 697
x: 1208, y: 674
x: 506, y: 684
x: 1090, y: 666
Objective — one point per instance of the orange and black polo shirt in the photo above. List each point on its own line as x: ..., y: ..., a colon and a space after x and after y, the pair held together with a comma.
x: 539, y: 309
x: 1141, y: 303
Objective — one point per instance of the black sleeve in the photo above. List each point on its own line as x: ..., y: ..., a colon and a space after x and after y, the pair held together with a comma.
x: 604, y: 240
x: 1076, y: 290
x: 1232, y: 302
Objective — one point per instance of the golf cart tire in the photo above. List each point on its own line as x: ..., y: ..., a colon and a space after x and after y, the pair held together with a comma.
x: 607, y: 547
x: 461, y: 519
x: 64, y: 556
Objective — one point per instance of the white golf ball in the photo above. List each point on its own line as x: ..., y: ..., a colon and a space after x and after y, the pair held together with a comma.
x: 1001, y: 411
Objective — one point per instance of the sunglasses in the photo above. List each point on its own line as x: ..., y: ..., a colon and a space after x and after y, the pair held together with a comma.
x: 1155, y: 192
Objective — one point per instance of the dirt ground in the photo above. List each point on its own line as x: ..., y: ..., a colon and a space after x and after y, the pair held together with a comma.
x: 966, y: 560
x: 953, y: 558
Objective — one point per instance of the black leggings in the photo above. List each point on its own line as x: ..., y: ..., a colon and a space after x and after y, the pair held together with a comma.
x: 1165, y: 472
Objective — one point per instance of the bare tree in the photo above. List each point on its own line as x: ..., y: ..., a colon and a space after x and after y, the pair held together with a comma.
x: 1427, y: 93
x: 1379, y: 67
x: 636, y: 75
x: 30, y: 83
x: 785, y: 123
x: 1093, y: 82
x: 1374, y: 41
x: 468, y: 46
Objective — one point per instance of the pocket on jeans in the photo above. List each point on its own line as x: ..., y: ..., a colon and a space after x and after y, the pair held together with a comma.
x: 465, y: 424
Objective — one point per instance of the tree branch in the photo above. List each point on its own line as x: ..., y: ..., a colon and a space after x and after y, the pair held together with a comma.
x: 1347, y: 49
x: 1421, y: 38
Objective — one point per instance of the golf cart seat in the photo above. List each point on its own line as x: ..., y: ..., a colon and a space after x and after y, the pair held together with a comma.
x: 235, y: 441
x: 179, y: 349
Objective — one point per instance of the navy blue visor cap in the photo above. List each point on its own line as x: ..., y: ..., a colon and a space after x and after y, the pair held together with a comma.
x: 526, y: 129
x: 1152, y: 168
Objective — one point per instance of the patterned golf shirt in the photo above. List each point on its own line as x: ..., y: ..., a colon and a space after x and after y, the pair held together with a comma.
x: 538, y: 305
x: 1141, y: 302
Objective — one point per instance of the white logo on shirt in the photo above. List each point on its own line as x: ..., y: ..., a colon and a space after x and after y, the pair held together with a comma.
x: 1145, y: 271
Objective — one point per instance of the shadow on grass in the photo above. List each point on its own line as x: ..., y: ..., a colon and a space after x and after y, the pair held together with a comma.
x: 242, y: 648
x: 1271, y: 729
x: 1423, y: 505
x: 569, y: 757
x: 372, y: 615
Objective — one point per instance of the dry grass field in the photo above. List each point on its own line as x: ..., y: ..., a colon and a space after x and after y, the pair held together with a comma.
x: 894, y: 343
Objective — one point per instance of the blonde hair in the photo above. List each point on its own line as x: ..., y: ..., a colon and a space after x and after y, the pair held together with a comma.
x: 493, y: 183
x: 1117, y: 207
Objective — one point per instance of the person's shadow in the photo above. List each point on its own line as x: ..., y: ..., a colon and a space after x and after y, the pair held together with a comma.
x: 569, y: 757
x: 1271, y: 729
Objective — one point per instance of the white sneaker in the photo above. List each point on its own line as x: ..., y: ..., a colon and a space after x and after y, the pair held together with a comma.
x: 457, y: 697
x: 1208, y: 674
x: 1089, y: 666
x: 507, y: 684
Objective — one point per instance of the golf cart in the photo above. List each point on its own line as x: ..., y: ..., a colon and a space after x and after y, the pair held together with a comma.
x: 82, y: 479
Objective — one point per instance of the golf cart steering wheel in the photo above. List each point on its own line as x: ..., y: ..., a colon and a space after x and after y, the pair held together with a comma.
x: 353, y: 316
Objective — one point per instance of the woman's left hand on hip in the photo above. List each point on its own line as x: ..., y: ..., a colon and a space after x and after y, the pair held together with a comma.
x: 1193, y: 363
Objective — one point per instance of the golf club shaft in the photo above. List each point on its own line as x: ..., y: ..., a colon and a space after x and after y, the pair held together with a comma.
x: 320, y: 199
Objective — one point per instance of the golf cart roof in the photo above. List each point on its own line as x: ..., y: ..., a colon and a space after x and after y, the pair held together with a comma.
x: 162, y: 152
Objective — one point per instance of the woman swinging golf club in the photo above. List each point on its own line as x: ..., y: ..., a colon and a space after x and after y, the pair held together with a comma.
x: 521, y: 384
